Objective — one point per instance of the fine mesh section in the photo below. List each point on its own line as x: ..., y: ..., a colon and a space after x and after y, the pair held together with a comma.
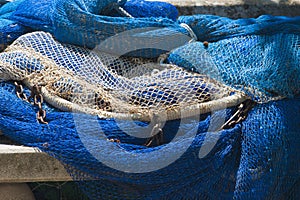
x: 265, y: 67
x: 78, y: 79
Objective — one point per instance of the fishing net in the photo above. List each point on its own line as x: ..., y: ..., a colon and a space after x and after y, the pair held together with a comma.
x: 99, y: 83
x: 211, y: 120
x: 253, y: 64
x: 10, y: 30
x: 93, y: 24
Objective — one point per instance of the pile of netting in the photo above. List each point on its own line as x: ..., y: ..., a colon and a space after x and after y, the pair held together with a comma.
x: 139, y: 104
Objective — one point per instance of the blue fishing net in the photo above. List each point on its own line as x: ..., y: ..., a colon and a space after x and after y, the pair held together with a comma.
x: 93, y: 24
x: 61, y: 139
x: 138, y: 8
x: 253, y: 64
x: 252, y: 160
x: 256, y: 158
x: 10, y: 30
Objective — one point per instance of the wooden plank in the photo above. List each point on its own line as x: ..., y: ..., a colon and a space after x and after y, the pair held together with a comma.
x: 237, y: 8
x: 25, y: 164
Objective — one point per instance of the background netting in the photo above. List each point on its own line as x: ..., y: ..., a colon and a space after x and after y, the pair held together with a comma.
x: 257, y: 158
x: 256, y: 64
x: 93, y: 23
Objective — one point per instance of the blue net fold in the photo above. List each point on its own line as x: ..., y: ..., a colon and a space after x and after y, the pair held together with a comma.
x: 265, y: 67
x: 213, y: 28
x: 88, y: 23
x: 9, y: 29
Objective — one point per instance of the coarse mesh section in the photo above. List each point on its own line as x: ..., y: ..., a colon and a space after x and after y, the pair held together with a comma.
x: 79, y: 79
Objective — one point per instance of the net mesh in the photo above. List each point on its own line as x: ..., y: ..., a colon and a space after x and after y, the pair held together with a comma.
x: 253, y: 64
x: 257, y: 157
x: 98, y: 83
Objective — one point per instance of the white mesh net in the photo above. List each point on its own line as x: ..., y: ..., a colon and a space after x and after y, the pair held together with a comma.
x: 82, y: 80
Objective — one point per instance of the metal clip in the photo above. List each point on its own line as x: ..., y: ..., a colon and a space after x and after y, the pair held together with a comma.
x: 156, y: 132
x: 240, y: 115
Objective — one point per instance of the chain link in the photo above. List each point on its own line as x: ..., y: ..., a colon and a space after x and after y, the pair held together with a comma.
x: 239, y: 116
x: 20, y: 91
x: 35, y: 97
